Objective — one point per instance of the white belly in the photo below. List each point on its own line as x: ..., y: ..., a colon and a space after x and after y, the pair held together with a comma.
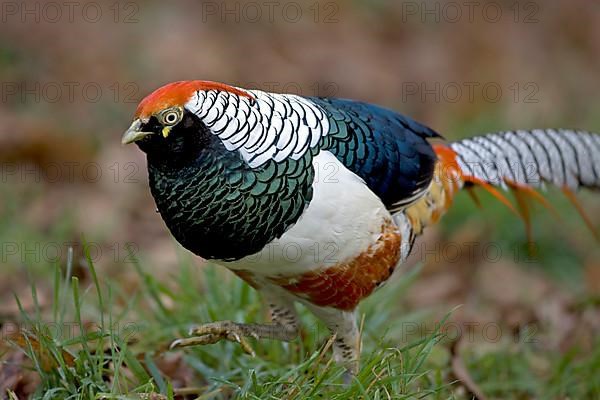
x: 343, y: 219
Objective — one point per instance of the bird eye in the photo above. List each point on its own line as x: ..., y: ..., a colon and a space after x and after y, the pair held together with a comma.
x: 171, y: 118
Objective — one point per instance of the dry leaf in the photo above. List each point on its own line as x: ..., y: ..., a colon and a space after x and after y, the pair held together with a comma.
x: 47, y: 362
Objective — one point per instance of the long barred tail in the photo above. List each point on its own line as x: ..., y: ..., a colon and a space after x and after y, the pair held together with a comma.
x: 564, y: 158
x: 522, y: 161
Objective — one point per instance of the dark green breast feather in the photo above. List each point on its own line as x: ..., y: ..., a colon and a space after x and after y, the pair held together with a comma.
x: 219, y: 208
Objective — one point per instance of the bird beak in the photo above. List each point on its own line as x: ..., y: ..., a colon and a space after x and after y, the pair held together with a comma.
x: 133, y: 134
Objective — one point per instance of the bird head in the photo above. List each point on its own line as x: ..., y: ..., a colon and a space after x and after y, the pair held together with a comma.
x: 163, y: 122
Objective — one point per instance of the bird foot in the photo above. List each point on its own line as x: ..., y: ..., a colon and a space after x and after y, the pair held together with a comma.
x: 216, y: 331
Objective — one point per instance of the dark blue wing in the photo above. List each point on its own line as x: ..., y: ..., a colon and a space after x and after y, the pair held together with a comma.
x: 389, y: 151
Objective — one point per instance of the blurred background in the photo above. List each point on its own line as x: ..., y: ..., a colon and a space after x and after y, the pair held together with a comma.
x: 73, y: 73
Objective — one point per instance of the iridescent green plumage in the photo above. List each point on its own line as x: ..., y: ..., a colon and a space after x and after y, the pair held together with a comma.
x: 216, y: 205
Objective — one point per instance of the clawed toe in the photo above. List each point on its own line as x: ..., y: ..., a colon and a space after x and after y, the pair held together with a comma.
x: 194, y: 341
x: 214, y: 332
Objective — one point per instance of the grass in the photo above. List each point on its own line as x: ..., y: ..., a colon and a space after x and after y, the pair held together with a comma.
x: 113, y: 362
x: 123, y: 358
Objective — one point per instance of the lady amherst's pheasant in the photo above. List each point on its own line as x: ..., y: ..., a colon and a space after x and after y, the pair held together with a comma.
x: 317, y: 200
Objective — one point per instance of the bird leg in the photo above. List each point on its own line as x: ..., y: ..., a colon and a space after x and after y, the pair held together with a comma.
x: 346, y: 346
x: 284, y: 327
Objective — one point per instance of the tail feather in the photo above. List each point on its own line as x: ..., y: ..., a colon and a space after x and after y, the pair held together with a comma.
x: 521, y: 161
x: 524, y: 161
x: 564, y: 158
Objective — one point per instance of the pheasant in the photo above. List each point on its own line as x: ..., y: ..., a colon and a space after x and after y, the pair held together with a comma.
x: 317, y: 200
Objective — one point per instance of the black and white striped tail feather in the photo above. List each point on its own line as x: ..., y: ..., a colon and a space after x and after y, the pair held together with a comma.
x: 565, y: 158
